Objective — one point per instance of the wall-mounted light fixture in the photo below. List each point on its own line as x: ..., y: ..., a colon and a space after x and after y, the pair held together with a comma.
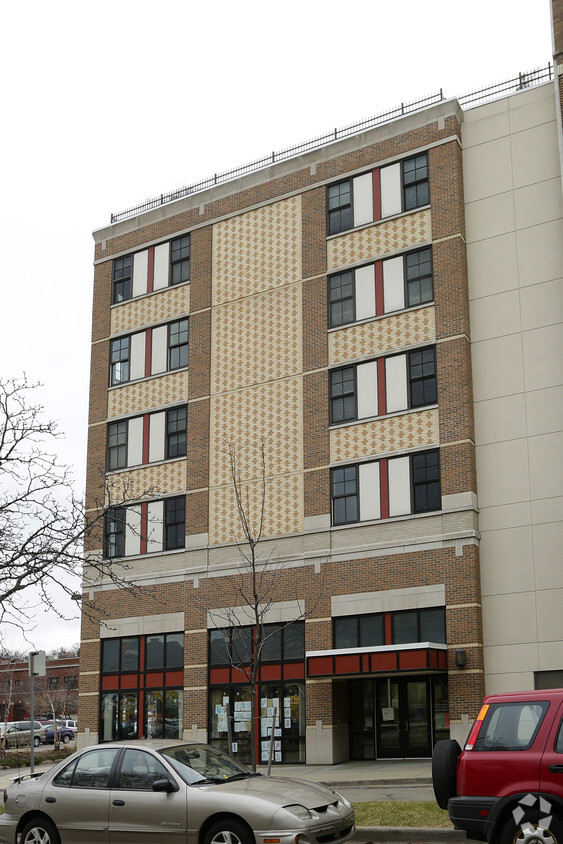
x: 460, y: 658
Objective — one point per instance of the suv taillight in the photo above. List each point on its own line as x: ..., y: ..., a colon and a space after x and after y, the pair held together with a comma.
x: 476, y: 727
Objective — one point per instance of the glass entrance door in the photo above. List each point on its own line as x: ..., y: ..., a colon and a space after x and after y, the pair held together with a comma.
x: 403, y: 718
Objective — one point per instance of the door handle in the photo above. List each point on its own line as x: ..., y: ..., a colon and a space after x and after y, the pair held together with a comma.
x: 119, y: 802
x: 50, y: 800
x: 556, y: 769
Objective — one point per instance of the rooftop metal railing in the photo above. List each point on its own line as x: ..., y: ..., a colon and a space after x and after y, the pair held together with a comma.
x: 517, y: 83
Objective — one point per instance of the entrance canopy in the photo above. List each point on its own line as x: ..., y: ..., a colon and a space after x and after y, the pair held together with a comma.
x: 380, y: 659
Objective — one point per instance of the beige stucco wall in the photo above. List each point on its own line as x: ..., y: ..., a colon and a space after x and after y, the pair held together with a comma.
x: 514, y: 218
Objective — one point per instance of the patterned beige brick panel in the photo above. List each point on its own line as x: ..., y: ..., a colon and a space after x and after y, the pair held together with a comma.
x: 154, y: 481
x: 283, y: 513
x: 379, y: 240
x: 257, y: 339
x: 271, y: 411
x: 257, y: 251
x: 159, y: 307
x: 381, y: 436
x: 142, y: 396
x: 382, y: 335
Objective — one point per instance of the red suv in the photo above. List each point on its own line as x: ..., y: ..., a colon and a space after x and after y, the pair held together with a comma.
x: 506, y: 786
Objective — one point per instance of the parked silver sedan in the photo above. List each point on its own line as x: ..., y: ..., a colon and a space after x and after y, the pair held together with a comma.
x: 151, y: 791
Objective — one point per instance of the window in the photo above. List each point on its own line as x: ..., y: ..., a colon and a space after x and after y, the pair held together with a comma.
x: 176, y: 432
x: 422, y: 377
x: 120, y: 655
x: 178, y: 344
x: 180, y: 260
x: 175, y: 522
x: 119, y: 361
x: 341, y: 298
x: 121, y: 282
x: 415, y: 182
x: 165, y: 651
x: 114, y: 532
x: 510, y: 726
x: 91, y: 770
x: 343, y: 394
x: 426, y: 481
x: 117, y: 445
x: 418, y: 277
x: 71, y: 681
x: 139, y: 770
x: 283, y: 642
x: 359, y: 631
x: 339, y: 198
x: 424, y: 625
x: 345, y: 495
x: 54, y: 683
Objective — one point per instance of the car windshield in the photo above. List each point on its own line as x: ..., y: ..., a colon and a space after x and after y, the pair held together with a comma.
x: 198, y: 763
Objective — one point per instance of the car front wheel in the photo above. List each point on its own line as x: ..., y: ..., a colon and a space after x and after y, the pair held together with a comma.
x: 40, y: 831
x: 228, y: 832
x: 66, y: 739
x: 534, y: 826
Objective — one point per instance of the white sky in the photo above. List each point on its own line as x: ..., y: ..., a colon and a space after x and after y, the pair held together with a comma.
x: 108, y: 103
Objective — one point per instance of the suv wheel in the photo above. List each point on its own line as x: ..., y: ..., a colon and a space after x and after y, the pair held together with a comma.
x: 444, y: 771
x: 534, y: 827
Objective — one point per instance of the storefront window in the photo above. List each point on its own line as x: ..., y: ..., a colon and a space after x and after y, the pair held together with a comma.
x: 441, y: 708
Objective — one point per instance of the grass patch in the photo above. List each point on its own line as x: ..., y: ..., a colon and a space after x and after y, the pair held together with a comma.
x: 22, y: 758
x: 411, y: 813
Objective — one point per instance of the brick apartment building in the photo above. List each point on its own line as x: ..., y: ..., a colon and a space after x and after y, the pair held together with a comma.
x: 384, y: 310
x: 58, y: 689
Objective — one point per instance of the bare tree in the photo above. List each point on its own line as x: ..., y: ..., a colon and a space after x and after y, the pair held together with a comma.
x: 258, y: 584
x: 43, y: 522
x: 56, y: 701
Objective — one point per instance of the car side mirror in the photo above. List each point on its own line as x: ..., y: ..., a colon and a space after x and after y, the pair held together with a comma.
x: 164, y: 785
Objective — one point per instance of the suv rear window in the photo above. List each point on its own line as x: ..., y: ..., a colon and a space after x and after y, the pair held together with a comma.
x: 511, y: 726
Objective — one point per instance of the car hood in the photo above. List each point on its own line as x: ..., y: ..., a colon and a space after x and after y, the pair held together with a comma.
x: 282, y: 791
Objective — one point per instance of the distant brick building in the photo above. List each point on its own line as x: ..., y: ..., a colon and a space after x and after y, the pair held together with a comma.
x: 383, y: 308
x: 58, y: 688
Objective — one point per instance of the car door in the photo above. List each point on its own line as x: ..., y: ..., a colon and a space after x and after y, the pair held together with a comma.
x: 139, y: 814
x: 77, y: 798
x: 551, y: 768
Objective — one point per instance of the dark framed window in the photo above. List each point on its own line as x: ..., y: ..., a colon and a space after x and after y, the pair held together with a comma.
x: 422, y: 377
x: 117, y: 445
x: 176, y: 432
x: 425, y: 473
x: 71, y: 681
x: 418, y: 277
x: 341, y: 299
x: 120, y: 655
x: 174, y: 523
x: 114, y: 532
x: 119, y: 360
x: 344, y: 488
x: 180, y: 259
x: 339, y: 202
x: 121, y: 280
x: 54, y: 682
x: 343, y: 395
x: 164, y: 651
x: 424, y: 625
x: 178, y: 344
x: 415, y: 182
x: 284, y: 642
x: 219, y: 647
x: 359, y: 631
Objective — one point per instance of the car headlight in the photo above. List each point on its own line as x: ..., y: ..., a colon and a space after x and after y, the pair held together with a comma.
x: 299, y: 811
x: 343, y: 800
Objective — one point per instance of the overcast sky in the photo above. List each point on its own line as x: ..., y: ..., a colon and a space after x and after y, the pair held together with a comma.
x: 108, y: 103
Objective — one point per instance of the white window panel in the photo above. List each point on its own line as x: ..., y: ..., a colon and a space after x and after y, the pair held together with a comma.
x: 363, y: 199
x: 135, y: 442
x: 133, y: 530
x: 159, y: 351
x: 399, y: 486
x: 157, y: 432
x: 365, y: 292
x: 370, y: 503
x: 393, y: 284
x: 161, y: 266
x: 137, y: 364
x: 390, y: 190
x: 155, y: 527
x: 140, y: 272
x: 396, y: 383
x: 366, y: 380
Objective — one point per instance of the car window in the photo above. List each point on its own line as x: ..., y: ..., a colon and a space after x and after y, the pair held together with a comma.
x: 91, y: 770
x: 559, y: 740
x: 139, y: 770
x: 511, y: 726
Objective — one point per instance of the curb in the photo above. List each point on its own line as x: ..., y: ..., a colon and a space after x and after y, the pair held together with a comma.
x: 376, y: 783
x: 425, y: 835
